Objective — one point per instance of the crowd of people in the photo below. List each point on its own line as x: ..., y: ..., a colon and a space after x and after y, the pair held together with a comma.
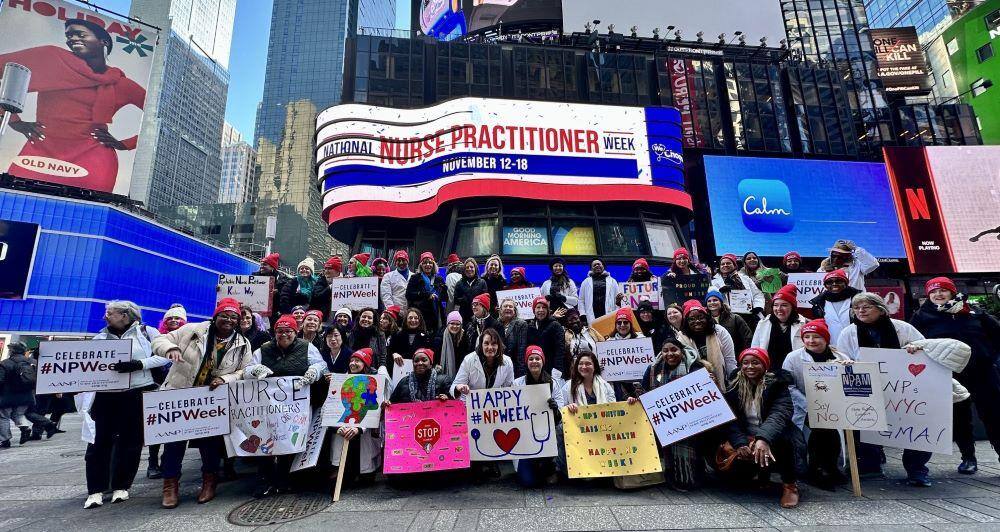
x: 460, y: 338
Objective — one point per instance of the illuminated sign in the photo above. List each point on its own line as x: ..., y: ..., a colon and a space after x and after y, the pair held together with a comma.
x: 902, y: 65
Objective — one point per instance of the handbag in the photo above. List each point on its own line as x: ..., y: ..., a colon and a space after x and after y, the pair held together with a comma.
x: 725, y: 455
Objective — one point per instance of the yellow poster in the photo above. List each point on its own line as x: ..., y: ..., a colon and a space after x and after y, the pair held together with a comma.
x: 609, y: 440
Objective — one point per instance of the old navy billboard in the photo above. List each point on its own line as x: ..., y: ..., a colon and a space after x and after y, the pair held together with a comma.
x: 404, y: 163
x: 89, y: 73
x: 772, y: 206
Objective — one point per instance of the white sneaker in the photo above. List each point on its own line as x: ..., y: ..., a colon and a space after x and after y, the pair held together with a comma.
x: 119, y: 496
x: 93, y: 501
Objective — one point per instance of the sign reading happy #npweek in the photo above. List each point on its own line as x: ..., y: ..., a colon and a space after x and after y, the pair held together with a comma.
x: 684, y: 407
x: 625, y: 360
x: 267, y: 417
x: 507, y: 423
x: 82, y: 366
x: 185, y: 414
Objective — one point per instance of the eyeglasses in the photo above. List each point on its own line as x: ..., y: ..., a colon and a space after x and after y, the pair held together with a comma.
x: 227, y: 317
x: 834, y: 281
x: 284, y: 332
x: 864, y: 308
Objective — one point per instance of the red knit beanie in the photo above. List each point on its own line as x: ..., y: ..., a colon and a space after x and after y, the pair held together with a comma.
x: 365, y: 354
x: 482, y: 299
x: 272, y: 260
x: 226, y: 304
x: 681, y: 251
x: 624, y: 313
x: 836, y: 274
x: 533, y: 350
x: 287, y: 321
x: 640, y: 262
x: 816, y: 326
x: 788, y: 294
x: 334, y: 263
x: 540, y: 300
x: 940, y: 282
x: 758, y: 352
x: 424, y: 351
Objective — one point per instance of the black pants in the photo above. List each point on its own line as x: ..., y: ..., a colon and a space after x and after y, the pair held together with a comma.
x: 113, y: 458
x: 824, y: 450
x: 39, y: 422
x: 983, y: 384
x: 784, y: 463
x: 273, y: 470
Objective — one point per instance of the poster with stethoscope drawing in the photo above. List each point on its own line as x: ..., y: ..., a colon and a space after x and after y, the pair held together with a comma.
x: 511, y: 423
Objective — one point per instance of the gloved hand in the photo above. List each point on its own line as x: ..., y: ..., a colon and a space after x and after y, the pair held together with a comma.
x: 300, y: 383
x: 128, y: 366
x: 260, y: 371
x: 310, y: 376
x: 556, y: 414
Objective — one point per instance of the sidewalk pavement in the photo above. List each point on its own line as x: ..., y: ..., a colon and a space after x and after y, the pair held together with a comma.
x: 42, y: 488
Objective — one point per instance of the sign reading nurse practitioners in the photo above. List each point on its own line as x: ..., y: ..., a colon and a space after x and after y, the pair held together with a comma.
x: 89, y: 73
x: 82, y: 366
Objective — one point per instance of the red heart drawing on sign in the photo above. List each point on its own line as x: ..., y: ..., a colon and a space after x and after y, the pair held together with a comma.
x: 916, y: 369
x: 251, y: 444
x: 255, y: 423
x: 507, y: 440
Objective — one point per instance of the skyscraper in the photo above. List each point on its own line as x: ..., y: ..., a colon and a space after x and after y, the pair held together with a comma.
x: 239, y: 168
x: 930, y: 17
x: 304, y: 73
x: 178, y: 157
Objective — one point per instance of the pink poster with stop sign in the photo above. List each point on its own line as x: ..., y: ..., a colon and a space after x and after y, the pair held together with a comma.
x: 427, y: 436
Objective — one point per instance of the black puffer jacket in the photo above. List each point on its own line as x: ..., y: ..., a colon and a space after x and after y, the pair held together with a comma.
x: 551, y: 337
x: 776, y: 411
x: 320, y: 299
x: 465, y: 291
x: 980, y: 331
x: 420, y: 298
x: 16, y: 390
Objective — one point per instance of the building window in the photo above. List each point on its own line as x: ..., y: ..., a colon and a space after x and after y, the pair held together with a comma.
x: 620, y: 238
x: 952, y: 46
x: 573, y: 238
x: 476, y: 238
x: 663, y: 239
x: 992, y: 20
x: 985, y: 52
x: 977, y: 87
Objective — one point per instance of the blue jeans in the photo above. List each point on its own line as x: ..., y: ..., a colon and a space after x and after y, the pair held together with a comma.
x: 532, y: 473
x: 915, y: 463
x: 173, y: 456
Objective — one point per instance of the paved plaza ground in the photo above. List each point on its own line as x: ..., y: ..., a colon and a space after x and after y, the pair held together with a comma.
x: 42, y: 488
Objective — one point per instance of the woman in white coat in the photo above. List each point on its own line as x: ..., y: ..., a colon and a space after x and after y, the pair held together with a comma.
x: 599, y: 293
x: 559, y: 288
x: 364, y: 454
x: 778, y: 333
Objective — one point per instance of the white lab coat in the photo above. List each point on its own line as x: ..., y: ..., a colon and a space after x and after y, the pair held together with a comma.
x: 471, y: 373
x: 393, y: 289
x: 586, y: 303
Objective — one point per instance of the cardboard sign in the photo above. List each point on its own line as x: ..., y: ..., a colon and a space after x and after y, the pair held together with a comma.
x: 82, y: 366
x: 185, y: 414
x: 681, y: 288
x: 506, y: 423
x: 253, y: 291
x: 522, y: 299
x: 741, y: 301
x: 605, y: 325
x: 845, y: 397
x: 355, y: 293
x: 636, y: 292
x: 426, y: 436
x: 808, y: 286
x: 609, y: 440
x: 625, y: 360
x: 918, y: 406
x: 267, y: 417
x: 687, y: 406
x: 354, y: 400
x: 314, y: 443
x: 398, y: 372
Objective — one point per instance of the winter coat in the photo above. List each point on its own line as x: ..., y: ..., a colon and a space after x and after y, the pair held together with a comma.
x: 759, y: 300
x: 515, y: 337
x: 463, y: 346
x: 465, y: 291
x: 313, y: 358
x: 494, y: 285
x: 257, y: 338
x: 192, y: 340
x: 551, y: 337
x: 849, y: 344
x: 473, y: 331
x: 16, y: 391
x: 141, y: 336
x: 472, y: 373
x: 762, y: 335
x: 575, y: 343
x: 737, y: 328
x: 981, y: 332
x: 400, y: 343
x: 569, y: 396
x: 836, y: 313
x: 401, y: 392
x: 776, y: 410
x: 420, y: 298
x: 451, y: 281
x: 723, y: 361
x: 586, y: 304
x: 569, y: 299
x: 863, y: 264
x: 392, y: 290
x: 794, y: 364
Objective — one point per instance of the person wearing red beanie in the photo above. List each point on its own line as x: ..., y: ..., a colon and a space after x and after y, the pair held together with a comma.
x: 271, y: 261
x: 778, y: 333
x: 392, y: 289
x: 426, y: 383
x: 700, y: 333
x: 941, y: 283
x: 640, y: 271
x: 518, y: 279
x: 533, y: 473
x: 729, y: 278
x: 624, y: 325
x: 480, y: 321
x: 834, y: 303
x: 823, y: 444
x: 763, y: 434
x: 269, y: 268
x: 427, y: 292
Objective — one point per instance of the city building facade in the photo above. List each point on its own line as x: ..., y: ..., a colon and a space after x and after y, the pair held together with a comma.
x: 972, y: 43
x: 239, y: 168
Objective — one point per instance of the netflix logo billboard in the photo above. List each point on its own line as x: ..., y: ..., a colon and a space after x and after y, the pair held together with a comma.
x: 948, y: 203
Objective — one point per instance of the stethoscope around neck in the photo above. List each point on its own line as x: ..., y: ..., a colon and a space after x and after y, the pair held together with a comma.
x: 476, y: 435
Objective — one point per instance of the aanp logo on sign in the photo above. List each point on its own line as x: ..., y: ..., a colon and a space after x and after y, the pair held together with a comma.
x: 766, y: 206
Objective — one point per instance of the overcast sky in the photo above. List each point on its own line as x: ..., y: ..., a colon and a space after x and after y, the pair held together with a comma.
x: 756, y: 18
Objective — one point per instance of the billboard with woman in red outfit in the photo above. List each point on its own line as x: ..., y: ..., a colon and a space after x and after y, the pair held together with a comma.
x: 88, y: 85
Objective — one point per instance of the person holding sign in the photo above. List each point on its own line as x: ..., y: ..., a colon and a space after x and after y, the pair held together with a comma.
x: 452, y: 342
x: 729, y: 279
x: 710, y: 340
x: 486, y: 367
x: 546, y: 332
x: 531, y: 472
x: 559, y: 288
x: 211, y: 353
x: 427, y: 292
x: 823, y: 444
x: 733, y: 323
x: 599, y: 293
x: 778, y: 334
x: 624, y: 331
x: 364, y: 459
x: 947, y: 314
x: 586, y: 387
x: 113, y: 458
x: 426, y: 383
x: 763, y: 436
x: 286, y: 356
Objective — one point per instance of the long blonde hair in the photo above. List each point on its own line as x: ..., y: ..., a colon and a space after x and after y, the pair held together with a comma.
x: 751, y: 393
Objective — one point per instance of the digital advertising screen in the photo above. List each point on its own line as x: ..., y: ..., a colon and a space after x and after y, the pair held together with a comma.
x: 448, y: 20
x: 89, y: 73
x: 902, y: 64
x: 772, y: 206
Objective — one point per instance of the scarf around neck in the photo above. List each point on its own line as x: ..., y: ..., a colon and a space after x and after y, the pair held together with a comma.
x: 958, y: 305
x: 424, y: 389
x: 306, y: 284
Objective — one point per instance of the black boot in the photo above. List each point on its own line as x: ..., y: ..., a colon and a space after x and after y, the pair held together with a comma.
x: 52, y: 430
x: 968, y: 466
x: 36, y: 433
x: 25, y: 435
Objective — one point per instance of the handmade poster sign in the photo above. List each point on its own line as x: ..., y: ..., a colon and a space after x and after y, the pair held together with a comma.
x: 605, y: 325
x: 637, y: 292
x: 185, y: 414
x: 511, y: 423
x: 807, y: 285
x: 398, y: 372
x: 845, y: 397
x: 681, y: 288
x: 625, y: 360
x: 355, y: 293
x: 253, y: 291
x: 354, y: 400
x: 267, y: 417
x: 427, y: 436
x: 918, y: 406
x: 314, y: 443
x: 741, y: 301
x: 609, y: 440
x: 522, y: 299
x: 770, y: 280
x: 82, y: 366
x: 687, y: 406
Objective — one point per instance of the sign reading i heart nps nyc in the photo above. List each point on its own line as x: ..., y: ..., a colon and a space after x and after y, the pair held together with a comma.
x: 355, y: 293
x: 684, y: 407
x: 625, y: 360
x: 82, y: 366
x: 511, y: 423
x: 185, y: 414
x: 253, y: 291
